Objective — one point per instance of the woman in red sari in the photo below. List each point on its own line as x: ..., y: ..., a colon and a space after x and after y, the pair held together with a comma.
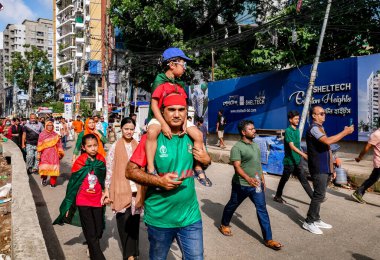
x: 50, y: 151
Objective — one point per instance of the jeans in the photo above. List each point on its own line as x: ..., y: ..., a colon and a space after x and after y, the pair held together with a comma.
x: 238, y: 195
x: 297, y: 171
x: 128, y: 226
x: 373, y: 178
x: 91, y: 219
x: 64, y: 142
x: 31, y: 157
x: 189, y: 239
x: 320, y: 182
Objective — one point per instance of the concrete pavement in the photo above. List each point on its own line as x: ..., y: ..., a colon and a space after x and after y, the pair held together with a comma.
x: 354, y: 235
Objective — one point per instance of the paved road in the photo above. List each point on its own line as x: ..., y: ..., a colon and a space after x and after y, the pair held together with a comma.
x: 355, y: 234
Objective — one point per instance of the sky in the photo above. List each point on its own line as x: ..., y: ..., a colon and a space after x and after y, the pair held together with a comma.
x: 16, y: 11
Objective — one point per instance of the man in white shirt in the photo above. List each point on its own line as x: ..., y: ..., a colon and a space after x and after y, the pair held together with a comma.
x: 98, y: 124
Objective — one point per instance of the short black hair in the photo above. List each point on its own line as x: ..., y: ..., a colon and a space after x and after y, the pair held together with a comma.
x: 200, y: 120
x: 243, y: 124
x: 88, y: 137
x: 189, y: 117
x: 127, y: 120
x: 293, y: 113
x: 221, y: 111
x: 165, y: 64
x: 132, y: 114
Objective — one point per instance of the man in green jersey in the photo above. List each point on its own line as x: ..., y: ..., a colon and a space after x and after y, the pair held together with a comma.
x: 248, y: 181
x: 171, y: 205
x: 292, y: 159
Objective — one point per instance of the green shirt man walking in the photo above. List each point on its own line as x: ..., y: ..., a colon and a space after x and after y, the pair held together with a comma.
x: 248, y: 181
x: 292, y: 159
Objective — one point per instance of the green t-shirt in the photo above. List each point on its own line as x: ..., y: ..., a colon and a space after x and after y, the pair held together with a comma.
x: 178, y: 207
x: 292, y: 136
x: 249, y: 156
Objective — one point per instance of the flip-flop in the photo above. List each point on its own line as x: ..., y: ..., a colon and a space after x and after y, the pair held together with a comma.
x: 204, y: 181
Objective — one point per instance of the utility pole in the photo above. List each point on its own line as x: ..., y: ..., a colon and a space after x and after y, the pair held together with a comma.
x: 106, y: 49
x: 30, y: 89
x: 81, y: 73
x: 212, y: 64
x: 313, y: 75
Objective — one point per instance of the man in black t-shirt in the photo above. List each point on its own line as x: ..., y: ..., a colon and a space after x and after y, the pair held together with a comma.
x: 31, y: 132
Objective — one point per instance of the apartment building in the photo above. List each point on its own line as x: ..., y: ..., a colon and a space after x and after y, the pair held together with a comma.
x: 15, y: 36
x: 373, y: 90
x: 79, y: 48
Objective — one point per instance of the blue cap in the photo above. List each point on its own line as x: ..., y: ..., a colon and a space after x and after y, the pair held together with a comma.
x: 173, y: 53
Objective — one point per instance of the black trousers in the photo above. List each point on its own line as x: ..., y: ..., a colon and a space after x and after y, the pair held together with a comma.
x: 91, y: 219
x: 373, y: 178
x: 129, y: 227
x: 297, y: 171
x: 320, y: 182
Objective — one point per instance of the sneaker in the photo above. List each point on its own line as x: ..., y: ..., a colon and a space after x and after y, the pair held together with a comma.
x: 357, y: 197
x: 312, y: 228
x: 44, y: 182
x: 322, y: 224
x: 279, y: 199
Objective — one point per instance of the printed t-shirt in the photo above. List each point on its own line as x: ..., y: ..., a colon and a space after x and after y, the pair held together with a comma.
x: 374, y: 139
x: 292, y: 136
x: 78, y: 126
x: 319, y: 158
x: 175, y: 208
x: 249, y: 156
x: 89, y: 196
x: 32, y: 132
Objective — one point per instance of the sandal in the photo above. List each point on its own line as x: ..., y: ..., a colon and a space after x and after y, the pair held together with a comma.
x: 273, y: 244
x: 225, y: 230
x: 204, y: 181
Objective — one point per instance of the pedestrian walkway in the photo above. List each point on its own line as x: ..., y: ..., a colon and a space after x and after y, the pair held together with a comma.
x: 353, y: 224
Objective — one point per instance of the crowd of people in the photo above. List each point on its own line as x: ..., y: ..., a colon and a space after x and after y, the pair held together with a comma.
x: 153, y: 175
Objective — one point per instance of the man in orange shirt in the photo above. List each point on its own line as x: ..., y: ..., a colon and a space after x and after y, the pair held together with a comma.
x: 78, y: 127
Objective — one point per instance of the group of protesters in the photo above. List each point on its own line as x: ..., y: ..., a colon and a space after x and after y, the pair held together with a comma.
x: 153, y: 175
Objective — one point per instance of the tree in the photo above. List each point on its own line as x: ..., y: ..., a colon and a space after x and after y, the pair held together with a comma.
x: 151, y: 26
x: 33, y: 73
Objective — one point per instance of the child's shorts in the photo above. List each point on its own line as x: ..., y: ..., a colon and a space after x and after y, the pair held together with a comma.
x: 154, y: 121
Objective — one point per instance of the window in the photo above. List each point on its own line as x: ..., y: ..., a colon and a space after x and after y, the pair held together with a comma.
x: 50, y: 48
x: 40, y: 34
x: 50, y: 55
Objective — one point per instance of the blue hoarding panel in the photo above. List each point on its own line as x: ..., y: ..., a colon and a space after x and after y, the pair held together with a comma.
x: 266, y: 98
x: 95, y: 67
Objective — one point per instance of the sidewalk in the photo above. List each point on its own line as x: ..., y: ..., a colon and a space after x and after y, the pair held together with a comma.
x: 357, y: 172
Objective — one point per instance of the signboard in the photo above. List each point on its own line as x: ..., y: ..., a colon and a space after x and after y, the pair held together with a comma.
x: 68, y: 108
x: 343, y: 88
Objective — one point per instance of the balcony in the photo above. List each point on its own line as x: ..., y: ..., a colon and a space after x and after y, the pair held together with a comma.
x: 79, y: 23
x: 64, y: 36
x: 78, y: 54
x: 66, y: 61
x: 87, y: 2
x: 88, y: 49
x: 67, y: 8
x: 87, y: 19
x: 66, y: 22
x: 79, y: 38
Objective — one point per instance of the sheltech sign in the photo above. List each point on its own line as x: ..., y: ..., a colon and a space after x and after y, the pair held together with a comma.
x: 266, y: 98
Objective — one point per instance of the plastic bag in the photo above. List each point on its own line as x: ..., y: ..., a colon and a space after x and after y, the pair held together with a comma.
x: 5, y: 190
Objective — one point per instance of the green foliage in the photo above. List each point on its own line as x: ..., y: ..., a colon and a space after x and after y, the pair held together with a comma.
x: 20, y: 68
x: 57, y: 106
x: 85, y: 109
x: 63, y: 70
x: 283, y: 38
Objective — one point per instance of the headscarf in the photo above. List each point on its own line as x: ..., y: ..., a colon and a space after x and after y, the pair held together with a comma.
x: 87, y: 130
x: 49, y: 138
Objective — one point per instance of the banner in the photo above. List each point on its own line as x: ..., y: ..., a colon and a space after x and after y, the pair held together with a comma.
x: 344, y: 88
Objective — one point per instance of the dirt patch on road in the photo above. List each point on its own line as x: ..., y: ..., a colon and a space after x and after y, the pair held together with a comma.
x: 5, y: 209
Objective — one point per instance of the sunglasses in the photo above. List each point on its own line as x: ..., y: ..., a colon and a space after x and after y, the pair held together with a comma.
x: 184, y: 64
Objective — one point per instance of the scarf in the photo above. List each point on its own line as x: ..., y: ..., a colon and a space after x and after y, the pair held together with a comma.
x: 81, y: 167
x: 49, y: 139
x: 120, y: 189
x: 35, y: 127
x: 87, y: 130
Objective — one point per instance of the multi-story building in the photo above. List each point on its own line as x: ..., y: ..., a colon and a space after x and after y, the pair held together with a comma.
x: 79, y: 48
x: 15, y: 36
x: 373, y: 90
